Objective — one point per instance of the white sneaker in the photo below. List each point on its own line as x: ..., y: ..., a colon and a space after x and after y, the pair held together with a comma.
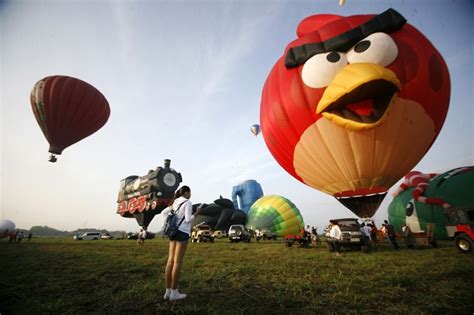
x: 175, y: 295
x: 167, y: 295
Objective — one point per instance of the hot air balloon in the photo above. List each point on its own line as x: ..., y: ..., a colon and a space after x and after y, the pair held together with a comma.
x: 245, y: 194
x: 7, y: 228
x: 255, y: 129
x: 275, y: 213
x: 67, y: 110
x: 219, y: 215
x: 143, y: 197
x: 453, y: 187
x: 353, y: 104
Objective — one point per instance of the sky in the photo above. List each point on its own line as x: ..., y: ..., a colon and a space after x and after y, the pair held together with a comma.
x: 184, y: 82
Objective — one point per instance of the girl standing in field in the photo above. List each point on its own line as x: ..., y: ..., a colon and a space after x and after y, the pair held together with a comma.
x: 178, y: 244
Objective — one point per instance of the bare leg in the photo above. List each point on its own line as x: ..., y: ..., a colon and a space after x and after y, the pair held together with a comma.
x: 178, y: 259
x: 170, y: 264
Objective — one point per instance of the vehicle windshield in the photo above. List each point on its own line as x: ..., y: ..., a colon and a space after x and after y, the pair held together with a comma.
x: 347, y: 225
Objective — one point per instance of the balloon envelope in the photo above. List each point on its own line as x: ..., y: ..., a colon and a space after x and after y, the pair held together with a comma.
x: 245, y: 194
x: 276, y: 214
x: 6, y: 228
x: 67, y: 110
x: 255, y: 129
x: 453, y: 187
x: 353, y: 104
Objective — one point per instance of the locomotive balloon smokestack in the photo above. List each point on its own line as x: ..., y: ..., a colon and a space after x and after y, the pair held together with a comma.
x: 167, y: 163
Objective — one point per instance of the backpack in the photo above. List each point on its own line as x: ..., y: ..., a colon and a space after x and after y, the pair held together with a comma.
x: 170, y: 228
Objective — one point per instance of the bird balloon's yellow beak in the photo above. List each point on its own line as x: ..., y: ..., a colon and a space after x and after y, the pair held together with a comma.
x: 360, y: 96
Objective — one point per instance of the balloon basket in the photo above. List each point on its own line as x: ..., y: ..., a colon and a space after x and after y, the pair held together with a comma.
x: 52, y: 158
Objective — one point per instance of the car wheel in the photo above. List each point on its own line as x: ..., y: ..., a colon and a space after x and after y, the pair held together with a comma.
x: 330, y: 246
x: 463, y: 243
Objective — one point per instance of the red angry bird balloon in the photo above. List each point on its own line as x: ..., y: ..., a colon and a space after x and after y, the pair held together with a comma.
x: 353, y: 105
x: 67, y: 110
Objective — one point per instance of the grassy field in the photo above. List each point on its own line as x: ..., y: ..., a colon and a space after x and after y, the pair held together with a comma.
x: 60, y: 276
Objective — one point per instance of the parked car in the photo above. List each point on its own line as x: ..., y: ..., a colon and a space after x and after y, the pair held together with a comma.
x: 77, y: 236
x: 134, y: 236
x: 351, y: 235
x: 89, y: 236
x: 202, y: 233
x: 106, y: 236
x: 238, y: 232
x: 460, y: 226
x: 219, y: 234
x: 265, y: 234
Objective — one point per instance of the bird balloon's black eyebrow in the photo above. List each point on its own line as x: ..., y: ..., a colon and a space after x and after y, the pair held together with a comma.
x: 387, y: 22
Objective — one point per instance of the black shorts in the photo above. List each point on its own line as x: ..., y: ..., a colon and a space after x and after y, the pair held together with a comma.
x: 180, y: 237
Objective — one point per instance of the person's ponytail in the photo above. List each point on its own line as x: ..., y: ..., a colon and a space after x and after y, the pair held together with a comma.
x: 179, y: 193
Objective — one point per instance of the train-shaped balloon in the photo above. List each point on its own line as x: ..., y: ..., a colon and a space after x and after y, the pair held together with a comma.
x: 142, y: 197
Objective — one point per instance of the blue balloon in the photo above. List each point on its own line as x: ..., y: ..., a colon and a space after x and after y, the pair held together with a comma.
x: 255, y: 129
x: 245, y: 194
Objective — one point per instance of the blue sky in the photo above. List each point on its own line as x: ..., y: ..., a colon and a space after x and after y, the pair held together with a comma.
x: 184, y: 81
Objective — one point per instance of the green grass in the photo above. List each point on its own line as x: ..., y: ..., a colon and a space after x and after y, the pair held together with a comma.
x: 61, y: 276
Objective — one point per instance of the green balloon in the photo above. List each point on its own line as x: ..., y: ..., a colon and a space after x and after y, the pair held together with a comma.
x: 276, y: 214
x: 455, y: 187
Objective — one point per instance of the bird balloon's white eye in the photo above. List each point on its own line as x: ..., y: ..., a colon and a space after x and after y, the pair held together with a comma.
x: 378, y: 48
x: 321, y: 69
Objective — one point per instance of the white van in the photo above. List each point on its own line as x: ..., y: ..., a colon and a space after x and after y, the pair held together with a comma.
x: 89, y: 236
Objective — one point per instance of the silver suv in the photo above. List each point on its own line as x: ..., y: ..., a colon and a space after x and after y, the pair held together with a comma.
x: 352, y: 236
x: 238, y: 232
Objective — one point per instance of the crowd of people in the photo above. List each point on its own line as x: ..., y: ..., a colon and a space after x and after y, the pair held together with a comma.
x: 17, y: 236
x: 369, y: 231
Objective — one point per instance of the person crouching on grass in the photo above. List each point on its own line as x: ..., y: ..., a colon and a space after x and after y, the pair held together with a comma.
x: 178, y: 244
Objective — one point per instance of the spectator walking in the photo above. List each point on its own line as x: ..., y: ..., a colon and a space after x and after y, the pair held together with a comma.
x: 390, y: 230
x: 141, y: 237
x: 373, y: 233
x: 365, y: 229
x: 20, y: 237
x: 336, y: 234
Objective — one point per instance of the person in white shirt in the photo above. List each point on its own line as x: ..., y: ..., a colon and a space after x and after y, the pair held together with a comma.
x: 336, y: 234
x: 366, y: 230
x: 178, y: 244
x: 141, y: 237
